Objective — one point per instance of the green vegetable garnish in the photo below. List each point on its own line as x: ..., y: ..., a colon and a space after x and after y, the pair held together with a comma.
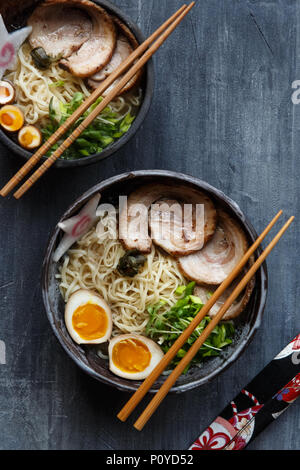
x: 196, y: 300
x: 103, y: 131
x: 57, y: 84
x: 164, y: 326
x: 180, y: 290
x: 131, y: 262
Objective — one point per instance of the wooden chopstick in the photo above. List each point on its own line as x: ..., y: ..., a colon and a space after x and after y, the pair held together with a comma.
x: 17, y: 178
x: 170, y: 24
x: 171, y: 353
x: 169, y: 382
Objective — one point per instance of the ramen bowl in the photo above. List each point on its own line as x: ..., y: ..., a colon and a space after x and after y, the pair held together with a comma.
x: 16, y: 16
x: 87, y: 358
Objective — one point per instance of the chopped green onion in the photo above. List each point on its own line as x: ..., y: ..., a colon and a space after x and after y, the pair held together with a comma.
x: 180, y: 290
x: 196, y: 300
x: 103, y: 131
x: 57, y: 84
x: 165, y: 325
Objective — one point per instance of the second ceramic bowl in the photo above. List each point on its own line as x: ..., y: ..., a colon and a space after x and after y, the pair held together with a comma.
x: 86, y: 358
x: 19, y: 19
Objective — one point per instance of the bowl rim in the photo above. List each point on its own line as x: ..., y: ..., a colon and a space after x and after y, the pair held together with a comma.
x: 143, y: 110
x: 105, y: 184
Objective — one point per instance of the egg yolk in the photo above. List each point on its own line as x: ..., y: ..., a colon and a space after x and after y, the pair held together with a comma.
x: 4, y: 91
x: 90, y: 321
x: 11, y: 118
x: 26, y: 138
x: 7, y: 119
x: 131, y: 355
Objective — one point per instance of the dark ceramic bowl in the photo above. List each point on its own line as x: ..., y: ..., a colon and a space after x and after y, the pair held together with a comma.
x: 147, y: 86
x: 85, y: 357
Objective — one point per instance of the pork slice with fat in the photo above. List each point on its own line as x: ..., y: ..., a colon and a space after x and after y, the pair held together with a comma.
x: 97, y: 51
x: 205, y: 292
x: 59, y: 27
x: 177, y: 228
x: 216, y: 260
x: 133, y: 228
x: 126, y: 43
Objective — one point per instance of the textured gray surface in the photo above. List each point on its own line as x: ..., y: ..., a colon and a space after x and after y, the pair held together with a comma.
x: 222, y: 111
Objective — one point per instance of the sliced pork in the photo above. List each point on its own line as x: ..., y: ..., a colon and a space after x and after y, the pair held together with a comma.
x: 204, y: 292
x: 216, y: 260
x: 173, y: 227
x: 133, y: 227
x: 98, y: 49
x: 126, y: 43
x: 59, y: 27
x: 122, y: 51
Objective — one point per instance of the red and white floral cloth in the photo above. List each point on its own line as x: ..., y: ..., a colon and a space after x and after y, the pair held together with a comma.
x: 261, y: 402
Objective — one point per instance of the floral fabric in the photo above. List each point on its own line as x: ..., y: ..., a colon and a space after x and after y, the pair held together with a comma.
x: 264, y: 399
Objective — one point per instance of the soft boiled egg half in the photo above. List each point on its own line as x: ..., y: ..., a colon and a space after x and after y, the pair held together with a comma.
x: 11, y: 118
x: 88, y: 318
x: 133, y: 356
x: 30, y: 137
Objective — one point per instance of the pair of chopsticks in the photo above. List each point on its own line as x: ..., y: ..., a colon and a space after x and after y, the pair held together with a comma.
x: 171, y: 353
x: 162, y: 34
